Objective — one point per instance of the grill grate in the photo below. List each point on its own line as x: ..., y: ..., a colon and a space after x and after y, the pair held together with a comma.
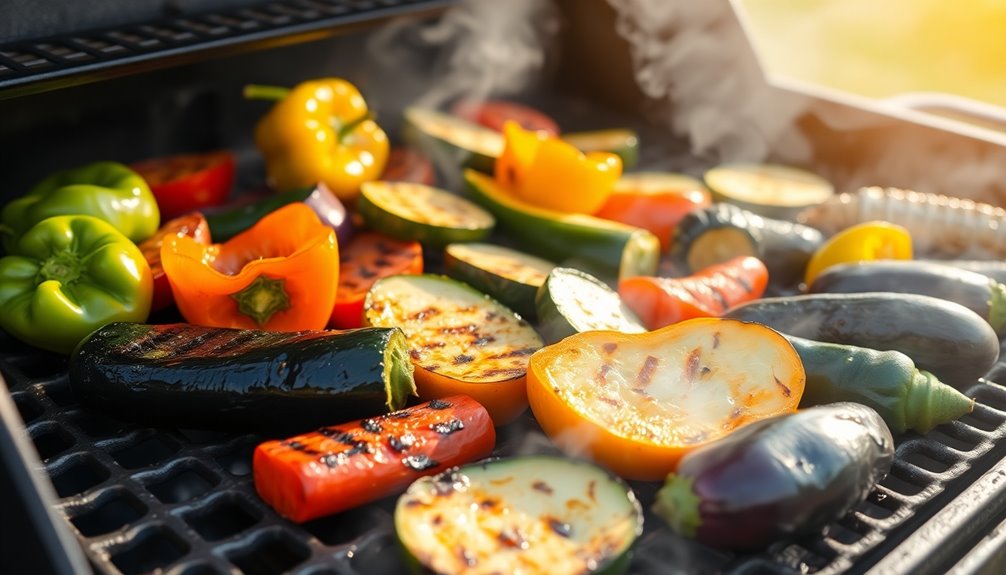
x: 30, y: 67
x: 140, y: 499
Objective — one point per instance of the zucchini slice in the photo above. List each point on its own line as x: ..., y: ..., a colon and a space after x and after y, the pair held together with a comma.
x: 510, y: 276
x: 571, y: 301
x: 460, y: 340
x: 767, y: 189
x: 620, y: 141
x: 533, y: 514
x: 463, y: 143
x: 431, y: 216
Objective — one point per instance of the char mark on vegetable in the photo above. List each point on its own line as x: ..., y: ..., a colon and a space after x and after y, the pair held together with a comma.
x: 298, y: 446
x: 439, y: 404
x: 602, y: 373
x: 609, y: 348
x: 543, y: 487
x: 463, y: 359
x: 785, y: 390
x: 419, y: 462
x: 716, y: 340
x: 371, y: 425
x: 425, y: 313
x: 645, y: 375
x: 560, y: 528
x: 402, y: 442
x: 448, y: 427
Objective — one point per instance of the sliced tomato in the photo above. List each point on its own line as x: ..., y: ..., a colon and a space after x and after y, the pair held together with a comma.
x: 193, y: 225
x: 337, y: 468
x: 408, y: 165
x: 494, y: 113
x: 368, y: 257
x: 190, y: 182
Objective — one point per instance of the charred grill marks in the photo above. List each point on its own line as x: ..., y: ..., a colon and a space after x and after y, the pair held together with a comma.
x: 419, y: 462
x: 448, y: 427
x: 645, y: 375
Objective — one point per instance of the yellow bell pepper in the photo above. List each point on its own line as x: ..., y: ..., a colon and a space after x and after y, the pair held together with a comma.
x: 874, y: 240
x: 319, y: 131
x: 548, y: 172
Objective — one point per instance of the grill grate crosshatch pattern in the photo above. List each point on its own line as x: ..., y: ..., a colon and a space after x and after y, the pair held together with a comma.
x: 183, y: 501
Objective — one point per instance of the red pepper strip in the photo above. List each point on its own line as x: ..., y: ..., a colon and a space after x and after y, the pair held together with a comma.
x: 711, y: 292
x: 368, y: 257
x: 194, y: 226
x: 182, y: 184
x: 341, y: 467
x: 408, y: 165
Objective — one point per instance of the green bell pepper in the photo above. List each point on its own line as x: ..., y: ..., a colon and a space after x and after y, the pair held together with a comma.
x: 106, y: 190
x: 70, y: 275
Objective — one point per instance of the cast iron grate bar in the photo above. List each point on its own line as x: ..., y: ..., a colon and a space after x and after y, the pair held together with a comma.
x: 33, y: 66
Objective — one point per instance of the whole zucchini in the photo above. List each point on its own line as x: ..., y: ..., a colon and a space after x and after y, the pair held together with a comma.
x: 947, y: 339
x: 194, y: 376
x: 979, y: 293
x: 780, y: 477
x: 887, y: 381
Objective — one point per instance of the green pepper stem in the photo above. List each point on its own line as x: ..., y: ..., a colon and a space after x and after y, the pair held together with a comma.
x: 347, y: 128
x: 261, y: 92
x: 678, y: 505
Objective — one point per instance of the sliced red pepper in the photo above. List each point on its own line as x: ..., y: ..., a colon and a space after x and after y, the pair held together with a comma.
x: 655, y: 202
x: 192, y: 225
x: 190, y: 182
x: 368, y: 257
x: 710, y: 292
x: 408, y: 165
x: 344, y: 466
x: 494, y: 113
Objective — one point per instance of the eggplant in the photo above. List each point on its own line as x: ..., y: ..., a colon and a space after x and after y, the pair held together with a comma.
x: 225, y: 223
x: 778, y: 478
x: 723, y: 231
x: 995, y: 269
x: 979, y: 293
x: 193, y: 376
x: 942, y: 337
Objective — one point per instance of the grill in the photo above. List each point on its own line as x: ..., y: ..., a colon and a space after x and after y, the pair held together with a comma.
x: 141, y: 499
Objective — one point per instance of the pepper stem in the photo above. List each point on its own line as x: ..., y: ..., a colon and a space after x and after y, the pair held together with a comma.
x: 262, y: 298
x: 930, y: 402
x: 261, y: 92
x: 678, y: 505
x: 63, y: 267
x: 346, y: 129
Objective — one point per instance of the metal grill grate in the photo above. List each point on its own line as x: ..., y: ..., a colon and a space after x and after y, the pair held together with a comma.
x: 140, y: 499
x: 36, y: 66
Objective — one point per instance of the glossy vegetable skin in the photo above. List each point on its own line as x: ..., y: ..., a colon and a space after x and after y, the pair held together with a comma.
x: 369, y: 257
x: 493, y: 114
x: 947, y: 339
x: 977, y: 292
x: 190, y: 182
x: 637, y: 403
x: 601, y: 247
x: 509, y: 276
x: 452, y: 141
x: 106, y: 190
x: 281, y: 274
x: 868, y: 241
x: 887, y: 381
x: 660, y: 301
x: 778, y: 478
x: 230, y: 221
x: 183, y: 375
x: 194, y: 226
x: 428, y: 215
x: 68, y: 276
x: 343, y: 466
x: 571, y: 301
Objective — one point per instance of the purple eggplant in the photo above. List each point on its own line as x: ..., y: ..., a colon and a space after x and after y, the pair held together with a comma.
x: 778, y: 478
x: 228, y: 222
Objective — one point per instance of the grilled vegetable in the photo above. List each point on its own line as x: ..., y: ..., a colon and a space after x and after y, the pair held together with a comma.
x: 722, y: 231
x: 549, y: 173
x: 281, y: 274
x: 319, y: 131
x: 975, y: 291
x: 194, y: 226
x: 494, y: 113
x: 460, y: 341
x: 941, y: 226
x: 534, y: 514
x: 340, y: 467
x: 192, y: 376
x: 637, y: 403
x: 662, y: 301
x: 887, y: 381
x: 68, y: 276
x: 571, y: 301
x: 229, y: 222
x: 450, y: 140
x: 106, y: 190
x: 509, y: 276
x: 408, y: 165
x: 863, y: 242
x: 778, y: 478
x: 995, y: 269
x: 188, y: 183
x: 769, y: 190
x: 655, y: 201
x: 431, y: 216
x: 369, y: 257
x: 620, y: 141
x: 606, y: 248
x: 947, y: 339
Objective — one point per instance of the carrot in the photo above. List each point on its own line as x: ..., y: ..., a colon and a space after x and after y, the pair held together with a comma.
x: 710, y: 292
x: 337, y: 468
x: 369, y: 257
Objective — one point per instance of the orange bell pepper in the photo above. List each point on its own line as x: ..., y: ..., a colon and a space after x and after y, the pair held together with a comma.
x: 873, y: 240
x: 281, y: 274
x: 548, y: 172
